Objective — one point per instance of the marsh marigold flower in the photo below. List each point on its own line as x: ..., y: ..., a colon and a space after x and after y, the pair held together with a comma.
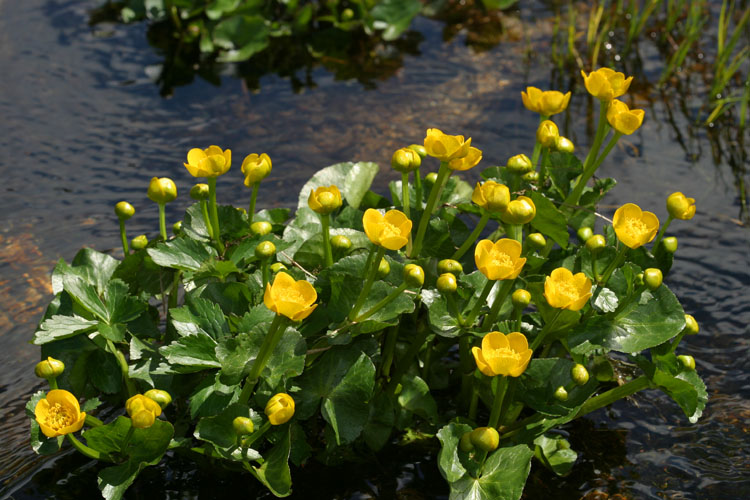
x: 280, y: 408
x: 519, y: 211
x: 499, y: 261
x: 256, y: 168
x: 565, y: 290
x: 49, y: 368
x: 605, y: 84
x: 622, y: 118
x: 390, y: 231
x: 472, y: 158
x: 680, y: 206
x: 633, y: 226
x: 324, y: 200
x: 502, y: 354
x: 59, y: 413
x: 142, y: 411
x: 209, y: 162
x: 161, y: 190
x: 491, y: 196
x: 546, y: 103
x: 405, y: 160
x: 292, y: 298
x: 446, y: 147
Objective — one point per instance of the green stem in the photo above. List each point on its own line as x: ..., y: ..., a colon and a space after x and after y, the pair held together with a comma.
x: 405, y: 193
x: 123, y: 363
x: 124, y: 238
x: 253, y: 198
x: 537, y: 144
x: 264, y: 272
x: 92, y: 421
x: 517, y: 313
x: 468, y: 382
x: 85, y: 450
x: 497, y: 403
x: 162, y: 222
x: 275, y: 331
x: 515, y: 232
x: 126, y: 440
x: 661, y: 232
x: 443, y: 175
x: 404, y: 362
x: 206, y: 218
x: 174, y: 291
x: 590, y: 165
x: 384, y: 302
x: 474, y: 403
x: 257, y: 435
x: 545, y: 330
x: 473, y: 236
x: 53, y: 383
x: 371, y: 273
x: 677, y: 340
x: 612, y: 395
x: 491, y: 317
x: 214, y: 212
x: 625, y: 302
x: 418, y: 188
x: 482, y: 300
x: 325, y: 222
x: 389, y: 350
x: 453, y: 309
x: 611, y: 268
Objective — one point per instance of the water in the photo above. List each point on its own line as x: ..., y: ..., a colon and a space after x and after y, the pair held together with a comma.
x: 84, y: 127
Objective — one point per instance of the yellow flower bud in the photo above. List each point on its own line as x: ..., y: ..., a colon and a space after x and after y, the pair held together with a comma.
x: 622, y: 118
x: 491, y: 196
x: 546, y: 103
x: 499, y: 261
x: 449, y: 266
x: 584, y: 233
x: 564, y: 145
x: 502, y: 354
x: 199, y: 192
x: 547, y: 134
x: 59, y: 413
x: 691, y: 326
x: 520, y: 298
x: 177, y: 227
x: 596, y: 243
x: 519, y: 164
x: 139, y: 242
x: 652, y: 277
x: 430, y: 178
x: 324, y: 200
x: 446, y: 283
x: 464, y: 443
x: 680, y: 207
x: 161, y: 397
x: 445, y: 147
x: 289, y: 297
x: 519, y: 211
x: 384, y: 268
x: 142, y: 419
x: 536, y: 241
x: 124, y: 210
x: 606, y: 84
x: 279, y: 409
x: 669, y: 244
x: 564, y: 290
x: 209, y: 162
x: 142, y: 411
x: 390, y: 231
x: 278, y: 266
x: 579, y: 374
x: 261, y: 228
x: 243, y: 426
x: 405, y: 160
x: 265, y: 250
x: 49, y: 368
x: 634, y: 227
x: 485, y: 438
x: 561, y: 394
x: 162, y: 190
x: 341, y: 242
x: 255, y: 168
x: 414, y: 275
x: 687, y: 361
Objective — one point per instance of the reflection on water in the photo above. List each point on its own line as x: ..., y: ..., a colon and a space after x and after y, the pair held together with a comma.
x: 84, y: 127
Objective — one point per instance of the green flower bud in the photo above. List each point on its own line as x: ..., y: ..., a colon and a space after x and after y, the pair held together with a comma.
x: 669, y: 244
x: 162, y: 398
x: 465, y: 444
x: 519, y: 164
x: 261, y: 228
x: 519, y: 211
x: 421, y: 151
x: 449, y: 266
x: 561, y: 394
x: 177, y: 227
x: 687, y: 361
x: 243, y: 426
x: 347, y: 14
x: 161, y: 190
x: 446, y: 283
x: 413, y: 275
x: 341, y: 242
x: 639, y: 279
x: 531, y: 177
x: 139, y: 242
x: 384, y: 268
x: 584, y: 233
x: 564, y: 145
x: 520, y: 298
x: 547, y: 134
x: 579, y: 374
x: 652, y: 277
x: 596, y: 244
x: 405, y: 160
x: 485, y: 438
x: 278, y: 266
x: 430, y: 178
x: 536, y: 241
x: 124, y: 210
x: 265, y: 250
x: 199, y: 192
x: 691, y: 326
x: 49, y: 368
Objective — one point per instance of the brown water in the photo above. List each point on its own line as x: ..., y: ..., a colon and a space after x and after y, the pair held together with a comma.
x: 84, y: 127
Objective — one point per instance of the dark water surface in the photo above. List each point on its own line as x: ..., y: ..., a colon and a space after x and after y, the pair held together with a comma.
x: 83, y: 127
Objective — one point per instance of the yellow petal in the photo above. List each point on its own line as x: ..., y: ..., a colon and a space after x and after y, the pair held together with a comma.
x: 372, y: 222
x: 517, y: 342
x: 494, y: 341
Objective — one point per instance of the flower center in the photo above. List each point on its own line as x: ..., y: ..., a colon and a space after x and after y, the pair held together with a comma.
x: 291, y: 295
x: 567, y: 290
x: 388, y: 230
x: 500, y: 259
x: 506, y: 353
x: 59, y: 416
x: 635, y: 227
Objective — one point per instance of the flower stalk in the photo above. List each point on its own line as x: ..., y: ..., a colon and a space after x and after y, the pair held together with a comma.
x: 215, y: 228
x: 275, y: 331
x: 253, y: 199
x: 589, y: 164
x: 372, y: 271
x: 325, y: 222
x: 473, y: 236
x: 443, y: 174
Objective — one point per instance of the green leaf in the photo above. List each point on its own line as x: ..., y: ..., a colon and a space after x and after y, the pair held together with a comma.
x: 95, y: 267
x: 449, y: 461
x: 415, y: 397
x: 121, y: 306
x: 211, y: 397
x: 394, y: 16
x: 241, y: 36
x: 555, y: 453
x: 275, y: 473
x: 196, y: 352
x: 61, y: 327
x: 379, y: 425
x: 503, y: 476
x: 498, y: 4
x: 181, y: 253
x: 352, y: 179
x: 549, y: 220
x: 109, y: 438
x: 442, y: 321
x: 540, y: 380
x: 85, y: 295
x: 218, y: 429
x: 104, y: 372
x: 199, y: 316
x: 564, y: 167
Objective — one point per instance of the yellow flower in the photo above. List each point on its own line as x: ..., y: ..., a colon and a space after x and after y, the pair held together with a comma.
x: 446, y: 147
x: 546, y: 103
x: 491, y: 196
x: 209, y: 162
x: 633, y: 226
x: 680, y: 206
x: 472, y: 158
x: 519, y: 211
x: 390, y: 231
x: 142, y: 411
x: 161, y: 190
x: 405, y: 160
x: 324, y: 200
x: 606, y: 84
x: 279, y: 409
x: 256, y: 168
x: 59, y: 413
x: 290, y: 298
x: 503, y: 354
x: 499, y: 261
x: 622, y: 118
x: 564, y: 290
